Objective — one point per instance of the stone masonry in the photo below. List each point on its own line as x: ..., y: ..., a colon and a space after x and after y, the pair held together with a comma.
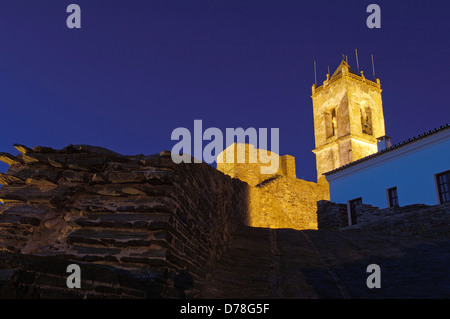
x: 138, y: 226
x: 408, y: 221
x: 143, y: 227
x: 277, y: 200
x: 348, y: 118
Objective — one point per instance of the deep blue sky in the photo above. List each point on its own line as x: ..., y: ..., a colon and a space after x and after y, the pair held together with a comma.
x: 138, y: 69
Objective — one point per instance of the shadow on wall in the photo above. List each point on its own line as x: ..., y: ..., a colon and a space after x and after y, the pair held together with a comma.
x: 183, y: 282
x: 312, y: 264
x: 420, y: 272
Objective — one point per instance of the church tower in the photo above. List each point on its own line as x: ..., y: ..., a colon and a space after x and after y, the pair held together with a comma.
x: 348, y: 118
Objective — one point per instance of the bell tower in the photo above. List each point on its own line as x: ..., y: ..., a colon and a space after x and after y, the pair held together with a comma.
x: 348, y: 118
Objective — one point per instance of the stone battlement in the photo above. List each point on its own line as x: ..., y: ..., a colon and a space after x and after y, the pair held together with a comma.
x: 277, y: 200
x: 246, y: 164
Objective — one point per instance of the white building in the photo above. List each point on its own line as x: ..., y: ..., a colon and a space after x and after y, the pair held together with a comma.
x: 416, y: 171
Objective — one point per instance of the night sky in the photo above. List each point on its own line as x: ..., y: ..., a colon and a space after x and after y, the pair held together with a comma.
x: 138, y: 69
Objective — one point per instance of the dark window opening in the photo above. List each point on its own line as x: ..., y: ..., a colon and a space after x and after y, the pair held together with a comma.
x: 366, y: 121
x: 392, y: 197
x: 330, y: 120
x: 354, y: 206
x: 333, y: 121
x: 443, y: 187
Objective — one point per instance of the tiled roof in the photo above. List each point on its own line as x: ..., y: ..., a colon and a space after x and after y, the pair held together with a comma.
x: 389, y: 149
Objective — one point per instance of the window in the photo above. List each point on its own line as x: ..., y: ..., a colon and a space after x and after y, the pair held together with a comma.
x: 333, y: 121
x: 330, y: 120
x: 366, y: 121
x: 392, y: 197
x: 352, y: 208
x: 443, y: 187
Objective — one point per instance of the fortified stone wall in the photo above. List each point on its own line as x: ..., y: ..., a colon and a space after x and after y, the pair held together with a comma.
x: 138, y: 226
x: 408, y: 221
x: 246, y: 164
x: 284, y: 202
x: 331, y: 216
x: 278, y: 200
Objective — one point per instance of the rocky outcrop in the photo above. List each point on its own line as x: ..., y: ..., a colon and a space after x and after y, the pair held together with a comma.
x: 141, y: 220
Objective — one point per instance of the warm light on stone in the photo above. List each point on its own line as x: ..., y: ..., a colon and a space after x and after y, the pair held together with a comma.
x: 277, y: 200
x: 348, y: 119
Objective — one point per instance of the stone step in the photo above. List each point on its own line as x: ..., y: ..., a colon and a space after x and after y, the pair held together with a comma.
x: 117, y: 238
x: 98, y: 203
x: 151, y: 221
x: 131, y: 189
x: 153, y: 251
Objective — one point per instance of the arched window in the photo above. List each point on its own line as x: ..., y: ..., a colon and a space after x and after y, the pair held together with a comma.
x: 334, y: 121
x: 330, y: 120
x: 366, y: 120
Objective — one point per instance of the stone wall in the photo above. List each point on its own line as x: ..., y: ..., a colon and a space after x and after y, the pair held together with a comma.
x: 278, y: 200
x: 284, y: 202
x: 246, y: 163
x: 331, y: 216
x: 152, y: 228
x: 409, y: 221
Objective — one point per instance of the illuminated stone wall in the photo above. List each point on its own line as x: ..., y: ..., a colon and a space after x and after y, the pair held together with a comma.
x: 277, y: 200
x: 285, y: 202
x: 246, y: 164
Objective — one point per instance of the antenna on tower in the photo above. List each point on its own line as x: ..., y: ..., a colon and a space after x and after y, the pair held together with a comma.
x: 373, y: 68
x: 329, y: 70
x: 315, y: 72
x: 346, y: 59
x: 357, y: 60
